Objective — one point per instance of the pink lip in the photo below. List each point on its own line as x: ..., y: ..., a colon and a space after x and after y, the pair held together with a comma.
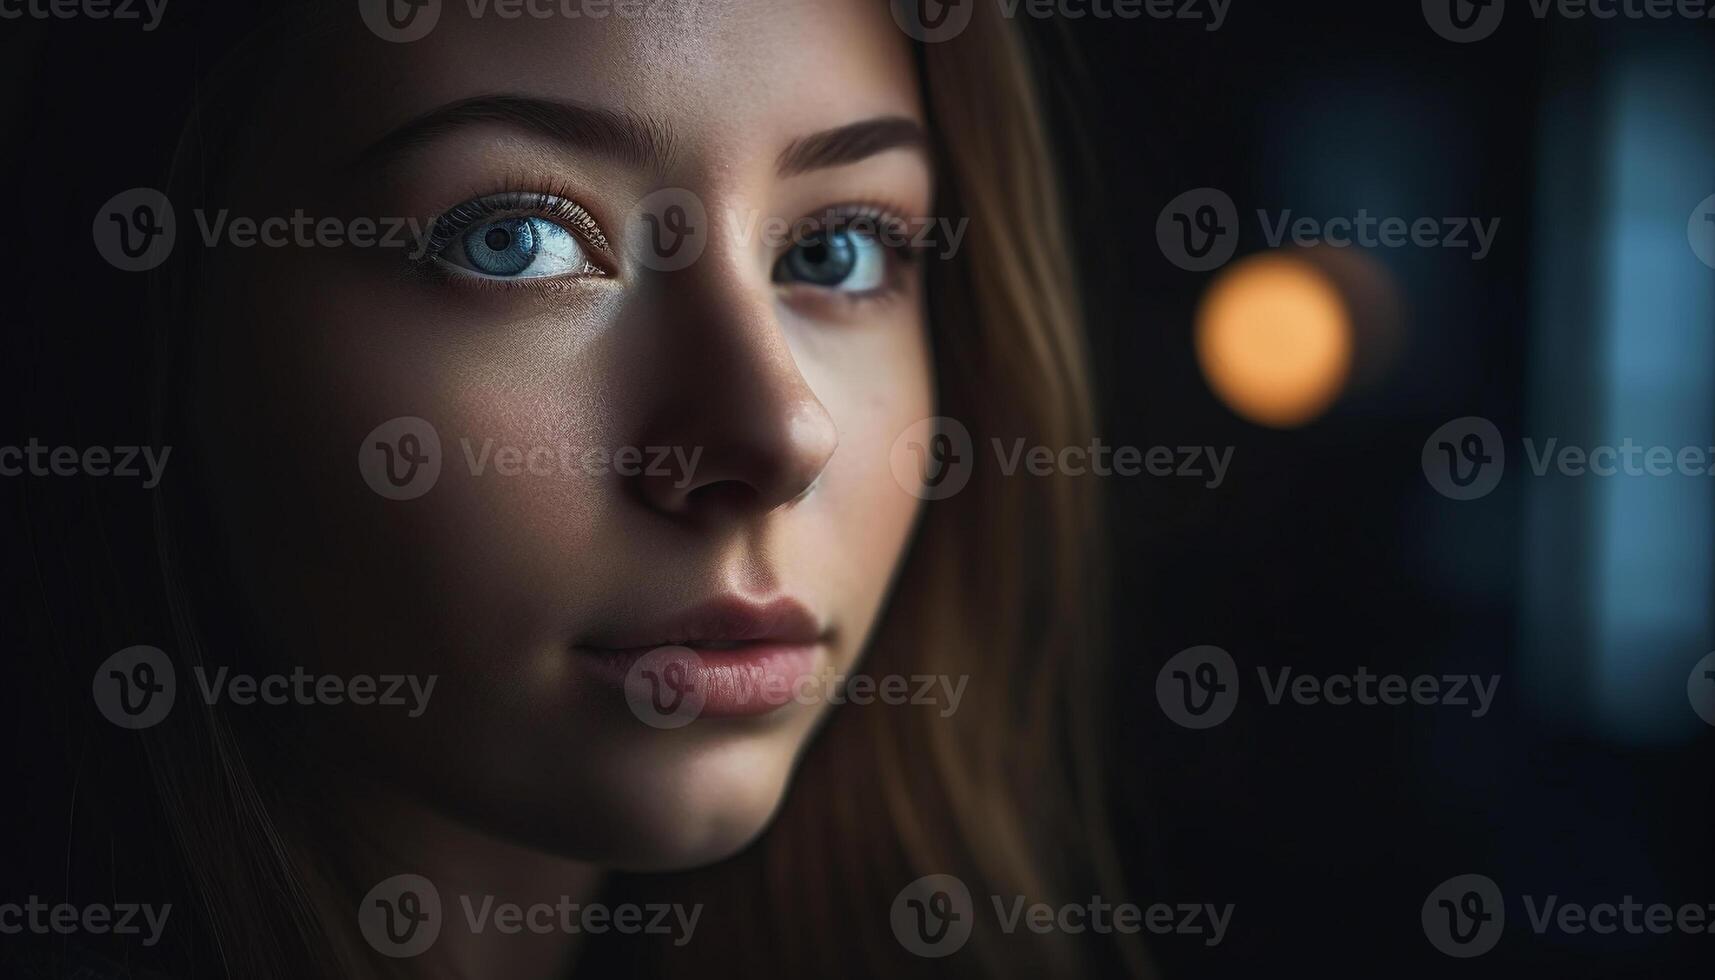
x: 730, y: 619
x: 748, y: 658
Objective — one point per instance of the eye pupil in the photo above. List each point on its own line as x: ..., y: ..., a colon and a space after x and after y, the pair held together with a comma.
x: 503, y: 248
x: 825, y: 260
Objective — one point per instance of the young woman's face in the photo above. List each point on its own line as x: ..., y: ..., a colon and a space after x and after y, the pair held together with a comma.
x: 632, y: 454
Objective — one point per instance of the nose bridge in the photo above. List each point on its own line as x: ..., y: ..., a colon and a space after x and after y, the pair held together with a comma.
x: 726, y: 388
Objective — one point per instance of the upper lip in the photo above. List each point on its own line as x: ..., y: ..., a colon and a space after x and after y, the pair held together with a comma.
x: 725, y: 620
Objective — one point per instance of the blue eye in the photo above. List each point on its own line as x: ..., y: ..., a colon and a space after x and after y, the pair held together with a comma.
x: 517, y: 248
x: 836, y: 258
x: 518, y: 235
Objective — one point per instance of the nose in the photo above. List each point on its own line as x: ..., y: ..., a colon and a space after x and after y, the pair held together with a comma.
x: 749, y: 434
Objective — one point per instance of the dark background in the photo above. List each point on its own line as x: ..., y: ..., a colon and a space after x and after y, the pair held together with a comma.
x: 1325, y: 549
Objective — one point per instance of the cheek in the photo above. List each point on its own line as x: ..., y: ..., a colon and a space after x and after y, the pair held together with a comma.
x: 292, y: 401
x: 874, y: 392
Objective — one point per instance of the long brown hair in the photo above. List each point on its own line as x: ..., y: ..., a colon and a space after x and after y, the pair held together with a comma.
x: 1004, y: 584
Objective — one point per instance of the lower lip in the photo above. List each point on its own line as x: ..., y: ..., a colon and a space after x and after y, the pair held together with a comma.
x: 735, y: 682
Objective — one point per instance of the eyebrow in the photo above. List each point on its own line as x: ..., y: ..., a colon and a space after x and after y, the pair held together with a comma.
x: 635, y: 138
x: 851, y: 143
x: 624, y: 135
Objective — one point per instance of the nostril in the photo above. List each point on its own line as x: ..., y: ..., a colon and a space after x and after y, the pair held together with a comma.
x: 721, y: 495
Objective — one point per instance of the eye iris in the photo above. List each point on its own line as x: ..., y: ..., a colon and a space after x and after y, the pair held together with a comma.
x: 502, y: 248
x: 826, y: 260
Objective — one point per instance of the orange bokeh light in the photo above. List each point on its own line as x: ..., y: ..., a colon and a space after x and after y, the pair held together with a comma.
x: 1274, y: 340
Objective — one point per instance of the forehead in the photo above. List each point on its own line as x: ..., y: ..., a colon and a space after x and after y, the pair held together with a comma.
x: 729, y: 78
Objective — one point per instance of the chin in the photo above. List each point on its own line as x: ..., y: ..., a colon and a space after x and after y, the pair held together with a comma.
x: 701, y: 809
x: 668, y: 801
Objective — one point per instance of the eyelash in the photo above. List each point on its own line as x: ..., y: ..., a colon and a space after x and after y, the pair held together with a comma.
x: 882, y: 218
x: 554, y: 205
